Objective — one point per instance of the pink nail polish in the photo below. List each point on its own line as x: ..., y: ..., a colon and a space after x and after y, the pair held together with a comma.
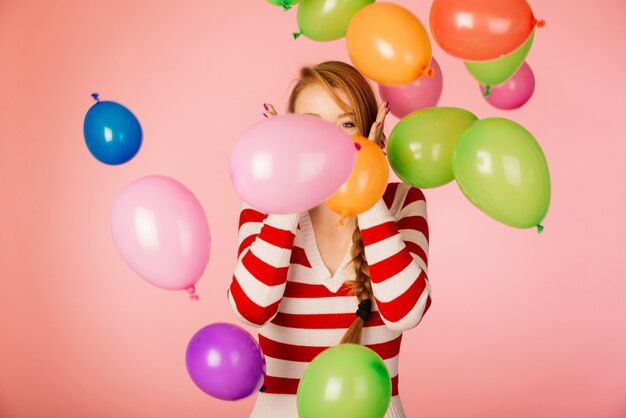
x: 264, y: 115
x: 265, y: 106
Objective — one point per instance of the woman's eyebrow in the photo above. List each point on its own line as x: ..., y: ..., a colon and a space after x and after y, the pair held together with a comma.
x: 345, y: 114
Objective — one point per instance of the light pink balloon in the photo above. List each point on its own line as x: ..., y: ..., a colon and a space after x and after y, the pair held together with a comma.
x: 291, y: 163
x: 420, y: 94
x: 514, y: 92
x: 161, y: 230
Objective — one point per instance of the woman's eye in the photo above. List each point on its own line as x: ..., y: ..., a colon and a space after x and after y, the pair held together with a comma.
x: 348, y: 125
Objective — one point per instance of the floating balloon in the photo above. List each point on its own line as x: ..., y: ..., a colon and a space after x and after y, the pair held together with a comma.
x: 479, y: 30
x: 326, y: 20
x: 367, y: 182
x: 495, y: 72
x: 407, y: 98
x: 225, y: 362
x: 345, y: 381
x: 420, y: 146
x: 290, y: 163
x: 502, y: 170
x: 388, y: 44
x: 160, y: 229
x: 285, y: 4
x: 112, y: 133
x: 515, y: 92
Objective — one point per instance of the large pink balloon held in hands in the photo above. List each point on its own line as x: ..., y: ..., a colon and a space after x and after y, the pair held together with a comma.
x: 160, y: 229
x: 513, y: 93
x: 420, y: 94
x: 290, y: 163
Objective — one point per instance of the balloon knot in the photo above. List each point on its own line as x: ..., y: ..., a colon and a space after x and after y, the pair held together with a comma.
x: 539, y: 228
x: 541, y: 23
x: 285, y: 6
x: 487, y: 91
x: 296, y: 35
x: 341, y: 221
x: 96, y: 96
x: 430, y: 72
x: 192, y: 293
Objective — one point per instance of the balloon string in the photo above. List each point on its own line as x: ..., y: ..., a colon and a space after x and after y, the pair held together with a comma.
x: 296, y: 35
x: 539, y: 228
x: 487, y: 91
x: 192, y: 293
x: 96, y: 96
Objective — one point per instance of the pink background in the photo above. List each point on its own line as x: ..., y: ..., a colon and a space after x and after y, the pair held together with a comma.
x: 522, y: 324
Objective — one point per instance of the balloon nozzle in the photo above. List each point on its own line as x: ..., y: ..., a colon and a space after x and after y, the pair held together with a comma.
x: 487, y: 91
x: 96, y: 97
x: 429, y: 72
x: 296, y: 35
x: 192, y: 293
x: 540, y: 23
x: 539, y: 228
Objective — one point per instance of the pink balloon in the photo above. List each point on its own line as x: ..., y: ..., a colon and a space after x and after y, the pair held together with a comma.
x: 514, y: 92
x: 420, y: 94
x: 160, y: 229
x: 291, y: 163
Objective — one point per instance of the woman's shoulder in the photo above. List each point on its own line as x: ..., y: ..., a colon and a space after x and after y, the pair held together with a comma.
x: 399, y: 195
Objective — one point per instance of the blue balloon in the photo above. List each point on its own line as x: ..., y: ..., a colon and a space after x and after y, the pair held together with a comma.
x: 112, y: 133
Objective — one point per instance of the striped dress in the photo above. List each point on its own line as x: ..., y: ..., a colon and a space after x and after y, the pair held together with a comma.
x: 282, y: 286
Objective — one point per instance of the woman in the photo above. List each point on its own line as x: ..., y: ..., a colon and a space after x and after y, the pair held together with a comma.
x: 294, y: 278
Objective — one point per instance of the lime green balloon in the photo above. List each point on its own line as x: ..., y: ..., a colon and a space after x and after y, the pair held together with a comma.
x: 327, y: 20
x: 497, y: 71
x: 502, y: 170
x: 285, y: 4
x: 420, y: 146
x: 345, y: 381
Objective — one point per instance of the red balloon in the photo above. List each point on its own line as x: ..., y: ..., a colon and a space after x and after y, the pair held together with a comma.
x: 480, y: 30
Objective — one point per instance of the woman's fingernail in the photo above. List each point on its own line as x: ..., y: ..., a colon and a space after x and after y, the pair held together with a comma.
x: 264, y: 115
x: 265, y: 106
x: 377, y: 124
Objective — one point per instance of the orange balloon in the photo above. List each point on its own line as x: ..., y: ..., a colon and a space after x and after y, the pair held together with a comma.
x: 367, y: 182
x: 388, y: 44
x: 481, y: 30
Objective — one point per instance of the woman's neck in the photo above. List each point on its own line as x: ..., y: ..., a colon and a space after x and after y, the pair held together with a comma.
x: 326, y: 219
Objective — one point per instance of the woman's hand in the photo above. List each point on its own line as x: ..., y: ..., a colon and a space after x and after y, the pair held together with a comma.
x: 376, y: 131
x: 269, y: 110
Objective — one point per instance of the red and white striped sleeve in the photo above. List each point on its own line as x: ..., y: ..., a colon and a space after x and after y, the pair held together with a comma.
x: 265, y: 244
x: 397, y: 254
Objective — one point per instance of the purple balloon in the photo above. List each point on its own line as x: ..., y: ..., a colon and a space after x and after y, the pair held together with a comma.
x: 514, y: 92
x: 225, y: 361
x: 420, y: 94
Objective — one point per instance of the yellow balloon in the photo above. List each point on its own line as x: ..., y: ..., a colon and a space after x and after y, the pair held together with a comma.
x: 388, y: 44
x: 367, y: 182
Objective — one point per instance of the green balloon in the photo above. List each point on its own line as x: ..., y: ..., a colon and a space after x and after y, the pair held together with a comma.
x: 420, y: 146
x: 327, y: 20
x: 494, y: 72
x: 285, y: 4
x: 502, y: 170
x: 345, y: 381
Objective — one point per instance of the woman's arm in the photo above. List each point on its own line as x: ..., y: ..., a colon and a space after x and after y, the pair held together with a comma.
x: 258, y: 284
x: 397, y: 255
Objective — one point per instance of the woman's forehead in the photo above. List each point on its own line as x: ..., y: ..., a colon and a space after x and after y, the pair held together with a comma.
x: 315, y: 99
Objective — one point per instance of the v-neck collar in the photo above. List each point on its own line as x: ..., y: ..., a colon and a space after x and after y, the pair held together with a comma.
x: 332, y: 282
